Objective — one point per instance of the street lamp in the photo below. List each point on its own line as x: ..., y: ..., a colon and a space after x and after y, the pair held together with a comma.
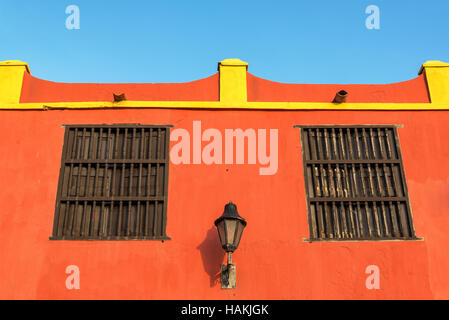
x: 230, y: 228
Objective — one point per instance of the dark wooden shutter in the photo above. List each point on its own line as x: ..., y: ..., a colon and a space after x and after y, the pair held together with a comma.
x: 113, y: 183
x: 355, y: 183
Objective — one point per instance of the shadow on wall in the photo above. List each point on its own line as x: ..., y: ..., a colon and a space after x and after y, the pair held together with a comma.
x: 212, y: 255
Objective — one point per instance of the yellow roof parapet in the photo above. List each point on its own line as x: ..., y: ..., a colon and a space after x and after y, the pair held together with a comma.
x: 437, y: 76
x: 233, y: 82
x: 11, y: 77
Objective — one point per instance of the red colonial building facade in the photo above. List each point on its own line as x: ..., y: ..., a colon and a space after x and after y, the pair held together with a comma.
x: 344, y: 188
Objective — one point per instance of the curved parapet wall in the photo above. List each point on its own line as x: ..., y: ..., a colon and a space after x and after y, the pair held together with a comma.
x: 411, y: 91
x: 231, y: 88
x: 38, y: 90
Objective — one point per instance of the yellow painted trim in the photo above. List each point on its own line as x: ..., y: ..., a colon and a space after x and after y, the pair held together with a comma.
x: 11, y: 78
x: 224, y: 106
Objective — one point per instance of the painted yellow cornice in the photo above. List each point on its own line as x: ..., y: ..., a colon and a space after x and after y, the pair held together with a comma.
x: 233, y: 62
x: 15, y: 63
x: 433, y: 64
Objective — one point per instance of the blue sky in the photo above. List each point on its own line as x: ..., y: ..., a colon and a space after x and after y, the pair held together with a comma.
x: 176, y: 41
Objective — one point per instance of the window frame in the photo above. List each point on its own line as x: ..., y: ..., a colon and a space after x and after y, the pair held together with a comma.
x: 59, y: 229
x: 314, y: 235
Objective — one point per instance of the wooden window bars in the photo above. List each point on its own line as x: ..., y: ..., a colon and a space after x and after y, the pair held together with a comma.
x: 355, y: 183
x: 113, y: 183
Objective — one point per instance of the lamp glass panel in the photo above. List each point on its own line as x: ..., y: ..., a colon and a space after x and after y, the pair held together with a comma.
x: 239, y: 230
x: 230, y: 230
x: 221, y: 232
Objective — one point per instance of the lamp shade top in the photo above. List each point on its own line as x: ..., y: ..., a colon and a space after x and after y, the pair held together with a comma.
x: 230, y: 212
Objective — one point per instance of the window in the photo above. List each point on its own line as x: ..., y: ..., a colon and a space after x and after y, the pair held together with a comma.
x: 113, y: 183
x: 355, y: 183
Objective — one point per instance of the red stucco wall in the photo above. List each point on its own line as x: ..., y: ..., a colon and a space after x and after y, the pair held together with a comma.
x: 273, y: 261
